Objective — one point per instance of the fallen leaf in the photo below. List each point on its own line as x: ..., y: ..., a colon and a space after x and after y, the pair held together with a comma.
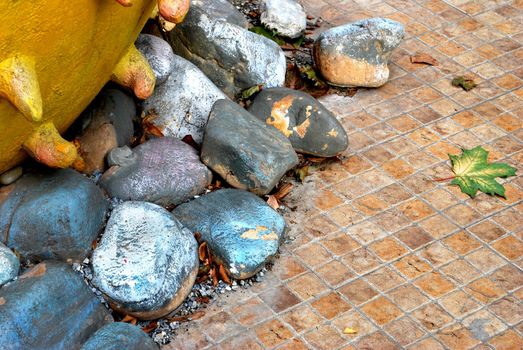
x: 150, y: 327
x: 423, y: 58
x: 349, y: 330
x: 473, y: 172
x: 214, y: 276
x: 198, y: 237
x: 188, y: 139
x: 283, y: 191
x: 202, y: 252
x: 270, y: 34
x: 250, y: 92
x: 223, y: 275
x: 129, y: 319
x: 466, y: 84
x: 204, y: 300
x: 194, y: 316
x: 301, y: 173
x: 273, y: 202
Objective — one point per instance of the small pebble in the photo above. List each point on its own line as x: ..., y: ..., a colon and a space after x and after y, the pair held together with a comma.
x: 11, y: 176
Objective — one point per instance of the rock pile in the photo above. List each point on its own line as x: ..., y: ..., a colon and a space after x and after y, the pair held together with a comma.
x: 147, y: 260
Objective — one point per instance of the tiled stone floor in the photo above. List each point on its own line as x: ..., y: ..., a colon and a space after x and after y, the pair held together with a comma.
x: 404, y: 261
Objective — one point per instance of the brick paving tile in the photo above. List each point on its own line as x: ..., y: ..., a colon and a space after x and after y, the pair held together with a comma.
x: 376, y: 245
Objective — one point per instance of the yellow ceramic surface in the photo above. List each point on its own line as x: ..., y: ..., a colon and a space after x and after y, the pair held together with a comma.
x: 55, y: 56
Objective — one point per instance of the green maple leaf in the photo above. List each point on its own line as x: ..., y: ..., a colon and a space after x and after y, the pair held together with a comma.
x: 473, y: 172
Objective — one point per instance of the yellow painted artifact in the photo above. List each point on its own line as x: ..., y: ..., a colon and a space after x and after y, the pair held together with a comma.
x: 55, y: 56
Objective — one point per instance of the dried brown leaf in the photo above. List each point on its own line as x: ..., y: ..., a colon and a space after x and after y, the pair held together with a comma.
x: 202, y: 252
x: 283, y: 191
x: 214, y: 276
x: 129, y: 319
x: 194, y: 316
x: 223, y: 275
x: 423, y: 58
x: 273, y: 202
x: 150, y: 327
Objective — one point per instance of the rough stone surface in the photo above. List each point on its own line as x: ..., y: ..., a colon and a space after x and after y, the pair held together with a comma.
x: 165, y: 171
x: 286, y: 17
x: 244, y: 151
x: 118, y: 336
x: 53, y: 215
x: 232, y: 57
x: 223, y: 10
x: 356, y: 54
x: 49, y: 307
x: 146, y: 262
x: 158, y: 53
x: 11, y: 176
x: 242, y: 231
x: 182, y: 104
x: 9, y: 265
x: 311, y: 128
x: 108, y: 124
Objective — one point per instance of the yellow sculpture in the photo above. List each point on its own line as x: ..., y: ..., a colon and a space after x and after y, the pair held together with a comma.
x: 55, y: 56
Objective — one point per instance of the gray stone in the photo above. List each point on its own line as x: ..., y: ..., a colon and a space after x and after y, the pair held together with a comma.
x: 158, y: 53
x: 232, y: 57
x: 165, y: 171
x: 118, y: 336
x: 146, y: 262
x: 121, y: 156
x: 286, y: 17
x: 357, y: 54
x: 107, y: 123
x: 224, y: 10
x: 52, y: 215
x: 241, y: 230
x: 9, y: 265
x: 11, y: 176
x: 311, y: 128
x: 244, y: 151
x: 182, y: 104
x: 49, y: 307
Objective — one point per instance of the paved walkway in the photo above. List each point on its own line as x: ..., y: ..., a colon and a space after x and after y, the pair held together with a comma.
x: 377, y: 247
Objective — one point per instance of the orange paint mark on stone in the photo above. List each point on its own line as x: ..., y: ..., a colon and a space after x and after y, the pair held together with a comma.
x: 280, y: 119
x: 2, y: 301
x: 301, y: 129
x: 255, y: 234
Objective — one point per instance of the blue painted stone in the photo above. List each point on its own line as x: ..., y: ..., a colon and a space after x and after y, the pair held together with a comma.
x: 146, y: 262
x: 310, y: 127
x: 118, y: 336
x: 356, y: 54
x: 55, y: 215
x: 9, y: 265
x: 241, y: 230
x: 165, y: 171
x: 49, y: 307
x: 244, y: 151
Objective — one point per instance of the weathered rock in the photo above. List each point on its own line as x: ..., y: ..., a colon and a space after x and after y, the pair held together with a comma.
x: 146, y: 261
x: 286, y: 17
x: 11, y: 176
x: 158, y: 53
x: 232, y: 57
x: 311, y: 128
x: 356, y: 54
x: 121, y: 156
x: 224, y: 10
x: 118, y: 336
x: 242, y: 231
x: 244, y: 151
x: 49, y: 307
x: 9, y: 265
x: 109, y: 124
x: 165, y: 171
x: 182, y: 104
x: 56, y: 215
